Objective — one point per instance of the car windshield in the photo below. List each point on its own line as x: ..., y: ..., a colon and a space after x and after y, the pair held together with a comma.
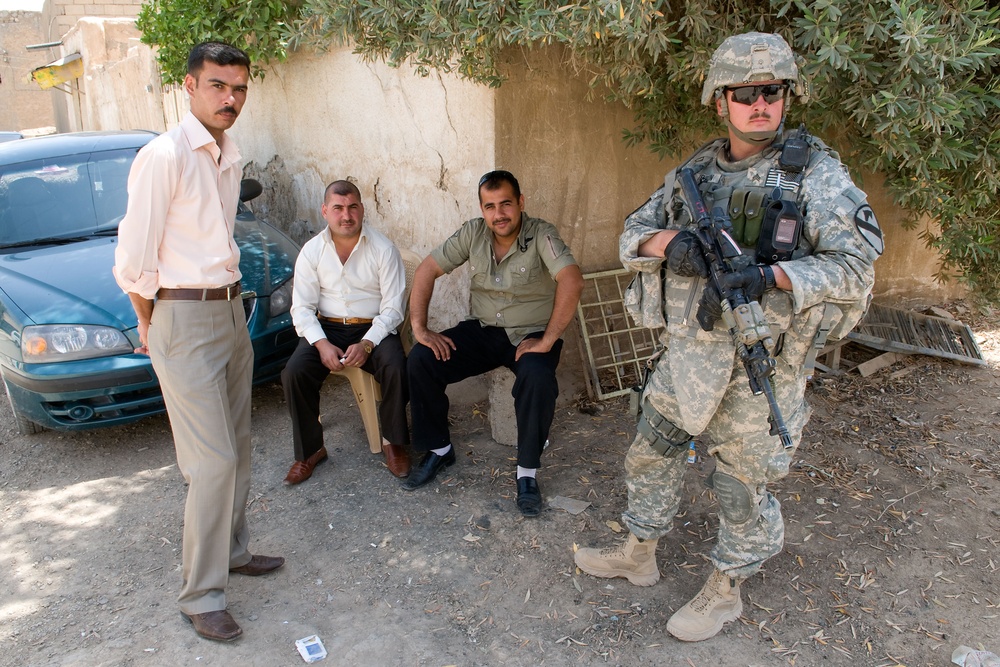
x: 63, y: 198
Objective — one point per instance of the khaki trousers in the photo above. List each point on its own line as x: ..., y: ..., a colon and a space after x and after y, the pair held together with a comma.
x: 202, y: 356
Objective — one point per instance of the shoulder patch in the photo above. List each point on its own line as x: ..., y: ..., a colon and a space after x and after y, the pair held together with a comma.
x: 864, y: 220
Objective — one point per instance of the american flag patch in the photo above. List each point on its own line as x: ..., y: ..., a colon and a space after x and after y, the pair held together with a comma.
x: 776, y: 178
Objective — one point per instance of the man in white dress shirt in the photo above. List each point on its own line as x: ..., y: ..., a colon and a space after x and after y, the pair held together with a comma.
x: 347, y: 304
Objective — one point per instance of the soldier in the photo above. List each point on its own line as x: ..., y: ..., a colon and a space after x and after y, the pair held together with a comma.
x: 809, y: 241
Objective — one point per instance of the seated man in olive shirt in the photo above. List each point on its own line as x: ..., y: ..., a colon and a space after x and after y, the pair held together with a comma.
x: 525, y: 288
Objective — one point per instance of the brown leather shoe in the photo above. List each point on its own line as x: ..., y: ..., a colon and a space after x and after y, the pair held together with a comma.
x: 259, y: 565
x: 303, y: 470
x: 397, y: 459
x: 216, y: 625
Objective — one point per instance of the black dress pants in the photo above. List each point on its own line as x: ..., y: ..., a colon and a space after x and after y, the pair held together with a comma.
x: 478, y: 350
x: 305, y: 373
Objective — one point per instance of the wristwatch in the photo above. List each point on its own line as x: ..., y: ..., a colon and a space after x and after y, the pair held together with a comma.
x: 367, y: 345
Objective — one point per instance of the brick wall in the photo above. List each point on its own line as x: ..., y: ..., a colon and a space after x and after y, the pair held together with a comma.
x: 68, y: 12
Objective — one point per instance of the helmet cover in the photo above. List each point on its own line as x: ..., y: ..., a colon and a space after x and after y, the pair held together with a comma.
x: 750, y: 57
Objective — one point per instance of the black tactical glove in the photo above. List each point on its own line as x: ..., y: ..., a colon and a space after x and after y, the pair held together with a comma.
x: 709, y: 308
x: 684, y: 256
x: 754, y: 280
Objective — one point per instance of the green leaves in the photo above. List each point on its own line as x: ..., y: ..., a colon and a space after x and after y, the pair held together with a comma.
x: 905, y: 88
x: 262, y: 28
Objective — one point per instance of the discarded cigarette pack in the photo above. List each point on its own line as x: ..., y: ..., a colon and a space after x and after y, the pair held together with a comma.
x: 311, y: 648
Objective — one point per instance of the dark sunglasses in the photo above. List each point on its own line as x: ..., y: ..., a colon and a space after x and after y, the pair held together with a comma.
x: 747, y: 95
x: 498, y: 174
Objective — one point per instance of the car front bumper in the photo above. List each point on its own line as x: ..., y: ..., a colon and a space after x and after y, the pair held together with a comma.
x: 86, y: 394
x: 116, y: 390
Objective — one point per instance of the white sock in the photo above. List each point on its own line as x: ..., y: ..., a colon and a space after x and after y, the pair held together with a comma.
x: 526, y: 472
x: 443, y: 450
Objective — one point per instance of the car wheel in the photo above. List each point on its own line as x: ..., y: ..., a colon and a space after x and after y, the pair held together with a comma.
x: 24, y: 426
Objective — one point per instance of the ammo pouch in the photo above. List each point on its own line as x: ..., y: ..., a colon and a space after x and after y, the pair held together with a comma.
x: 746, y: 212
x: 665, y: 438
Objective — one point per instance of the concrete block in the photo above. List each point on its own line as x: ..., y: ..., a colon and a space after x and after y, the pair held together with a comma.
x: 503, y: 422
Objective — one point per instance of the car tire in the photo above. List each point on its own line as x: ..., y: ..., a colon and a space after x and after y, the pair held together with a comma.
x: 24, y: 426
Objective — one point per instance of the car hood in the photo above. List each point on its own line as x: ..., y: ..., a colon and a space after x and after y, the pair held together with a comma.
x: 73, y: 283
x: 67, y: 284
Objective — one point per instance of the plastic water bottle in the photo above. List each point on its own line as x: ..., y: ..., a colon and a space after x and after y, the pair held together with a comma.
x: 692, y: 452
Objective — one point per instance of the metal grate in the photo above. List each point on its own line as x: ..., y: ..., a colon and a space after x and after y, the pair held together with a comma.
x: 896, y: 330
x: 616, y: 348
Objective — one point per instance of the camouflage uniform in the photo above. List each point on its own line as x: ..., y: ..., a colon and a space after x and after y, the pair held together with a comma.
x: 699, y: 384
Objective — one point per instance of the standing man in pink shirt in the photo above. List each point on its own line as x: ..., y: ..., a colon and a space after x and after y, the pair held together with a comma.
x: 179, y: 263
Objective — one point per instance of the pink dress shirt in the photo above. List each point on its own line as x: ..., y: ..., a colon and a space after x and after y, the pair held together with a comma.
x: 183, y: 192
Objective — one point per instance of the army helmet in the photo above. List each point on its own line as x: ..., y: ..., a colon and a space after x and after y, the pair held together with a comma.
x: 752, y: 56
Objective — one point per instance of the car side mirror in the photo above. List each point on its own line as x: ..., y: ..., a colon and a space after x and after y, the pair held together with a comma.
x: 250, y: 188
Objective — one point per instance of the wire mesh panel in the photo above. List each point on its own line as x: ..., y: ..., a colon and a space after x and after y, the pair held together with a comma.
x: 616, y: 348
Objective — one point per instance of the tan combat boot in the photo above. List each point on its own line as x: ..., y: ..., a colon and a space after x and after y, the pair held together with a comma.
x: 634, y: 559
x: 716, y: 604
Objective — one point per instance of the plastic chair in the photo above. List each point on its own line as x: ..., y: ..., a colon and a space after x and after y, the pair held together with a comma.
x: 366, y: 390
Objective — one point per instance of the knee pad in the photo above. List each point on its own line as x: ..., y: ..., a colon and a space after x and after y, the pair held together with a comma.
x: 665, y: 438
x: 738, y: 502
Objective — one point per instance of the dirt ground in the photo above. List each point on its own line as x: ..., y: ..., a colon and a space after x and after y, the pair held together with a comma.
x: 892, y: 517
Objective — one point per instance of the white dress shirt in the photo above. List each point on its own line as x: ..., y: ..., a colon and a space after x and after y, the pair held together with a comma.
x: 371, y: 284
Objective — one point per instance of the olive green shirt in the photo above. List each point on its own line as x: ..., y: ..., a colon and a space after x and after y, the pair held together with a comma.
x: 516, y: 293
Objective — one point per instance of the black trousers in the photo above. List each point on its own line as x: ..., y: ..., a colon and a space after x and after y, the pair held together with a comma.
x: 305, y: 373
x: 479, y: 350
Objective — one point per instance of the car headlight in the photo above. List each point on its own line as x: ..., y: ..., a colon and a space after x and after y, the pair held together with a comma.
x: 69, y: 342
x: 281, y: 299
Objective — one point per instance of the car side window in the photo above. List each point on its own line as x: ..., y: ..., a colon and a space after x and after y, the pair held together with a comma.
x: 109, y: 185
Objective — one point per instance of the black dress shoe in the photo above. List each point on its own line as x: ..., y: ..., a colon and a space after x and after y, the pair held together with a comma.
x: 428, y: 469
x: 529, y: 496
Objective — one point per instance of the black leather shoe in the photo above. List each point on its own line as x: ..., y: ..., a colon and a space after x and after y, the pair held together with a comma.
x: 428, y: 469
x: 529, y: 496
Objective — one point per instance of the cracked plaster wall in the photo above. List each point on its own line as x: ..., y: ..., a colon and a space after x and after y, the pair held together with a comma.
x: 414, y: 146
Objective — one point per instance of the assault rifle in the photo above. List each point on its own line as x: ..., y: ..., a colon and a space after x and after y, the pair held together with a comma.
x: 744, y: 318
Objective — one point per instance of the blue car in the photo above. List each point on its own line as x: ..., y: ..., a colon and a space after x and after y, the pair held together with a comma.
x: 67, y: 331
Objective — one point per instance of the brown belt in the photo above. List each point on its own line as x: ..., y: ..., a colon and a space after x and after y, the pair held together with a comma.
x: 227, y: 293
x: 346, y: 320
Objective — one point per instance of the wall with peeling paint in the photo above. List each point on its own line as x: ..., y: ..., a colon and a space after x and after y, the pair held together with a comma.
x: 415, y: 146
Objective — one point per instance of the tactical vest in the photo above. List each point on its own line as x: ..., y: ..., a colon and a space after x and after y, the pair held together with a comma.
x: 746, y: 195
